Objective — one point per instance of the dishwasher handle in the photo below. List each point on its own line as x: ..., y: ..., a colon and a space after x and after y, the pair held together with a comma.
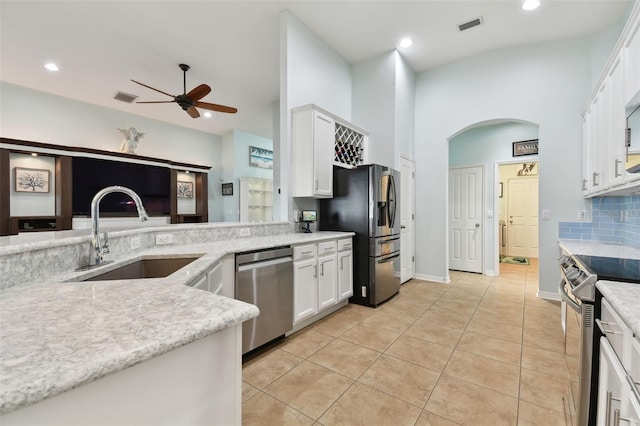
x: 264, y: 263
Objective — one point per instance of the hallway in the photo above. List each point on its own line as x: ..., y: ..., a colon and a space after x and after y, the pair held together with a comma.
x: 479, y: 351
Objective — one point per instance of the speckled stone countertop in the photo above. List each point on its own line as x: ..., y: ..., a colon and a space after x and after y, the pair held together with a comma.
x: 625, y: 299
x: 58, y: 334
x: 597, y: 248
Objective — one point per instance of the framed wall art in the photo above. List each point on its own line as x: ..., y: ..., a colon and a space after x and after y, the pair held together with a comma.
x: 227, y: 188
x: 31, y: 180
x: 529, y: 147
x: 185, y: 189
x: 260, y: 157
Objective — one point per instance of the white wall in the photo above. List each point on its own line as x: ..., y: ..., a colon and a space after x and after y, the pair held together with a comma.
x: 374, y: 105
x: 546, y: 84
x: 310, y: 72
x: 41, y: 117
x: 488, y: 145
x: 32, y: 203
x: 405, y: 108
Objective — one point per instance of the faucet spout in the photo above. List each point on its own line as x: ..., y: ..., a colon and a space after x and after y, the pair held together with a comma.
x: 97, y: 249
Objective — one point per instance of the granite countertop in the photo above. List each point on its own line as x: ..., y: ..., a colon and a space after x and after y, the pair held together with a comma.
x: 60, y: 333
x: 598, y: 248
x: 625, y: 299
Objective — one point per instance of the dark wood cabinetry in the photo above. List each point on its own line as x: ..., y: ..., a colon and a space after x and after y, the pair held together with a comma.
x: 64, y: 186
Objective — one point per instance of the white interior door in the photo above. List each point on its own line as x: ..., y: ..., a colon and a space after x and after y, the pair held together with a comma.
x: 407, y: 253
x: 465, y: 218
x: 522, y: 217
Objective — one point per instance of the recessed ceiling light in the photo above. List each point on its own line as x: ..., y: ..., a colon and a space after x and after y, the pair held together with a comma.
x: 406, y: 42
x: 530, y: 4
x: 34, y: 154
x: 51, y: 66
x: 206, y: 114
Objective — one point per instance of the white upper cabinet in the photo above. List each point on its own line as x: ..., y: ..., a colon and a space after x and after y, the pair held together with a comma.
x: 604, y: 150
x: 313, y: 140
x: 321, y: 140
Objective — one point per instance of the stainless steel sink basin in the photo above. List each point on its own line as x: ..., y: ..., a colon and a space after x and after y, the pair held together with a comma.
x: 145, y: 268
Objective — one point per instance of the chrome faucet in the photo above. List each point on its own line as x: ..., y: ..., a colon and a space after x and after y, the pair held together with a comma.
x: 98, y: 249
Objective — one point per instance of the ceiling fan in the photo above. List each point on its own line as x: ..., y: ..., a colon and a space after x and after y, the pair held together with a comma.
x: 190, y: 101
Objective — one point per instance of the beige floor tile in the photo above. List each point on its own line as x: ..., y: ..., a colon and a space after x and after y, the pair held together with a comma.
x: 266, y: 410
x: 549, y: 339
x: 544, y: 361
x: 336, y: 324
x: 506, y: 316
x: 489, y: 325
x: 427, y: 354
x: 495, y: 375
x: 391, y: 320
x: 248, y: 391
x: 469, y: 404
x: 346, y: 358
x: 309, y: 388
x: 461, y: 308
x: 305, y: 342
x: 502, y: 307
x: 543, y: 390
x: 490, y: 347
x: 401, y: 379
x: 430, y: 419
x: 381, y: 409
x: 430, y: 286
x: 358, y: 312
x: 508, y: 297
x: 376, y: 338
x: 533, y: 415
x: 539, y: 316
x: 462, y: 295
x: 261, y: 371
x: 437, y: 333
x: 407, y: 306
x: 442, y: 316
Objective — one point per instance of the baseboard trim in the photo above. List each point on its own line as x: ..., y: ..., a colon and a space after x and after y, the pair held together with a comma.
x: 433, y: 278
x: 548, y: 295
x: 490, y: 273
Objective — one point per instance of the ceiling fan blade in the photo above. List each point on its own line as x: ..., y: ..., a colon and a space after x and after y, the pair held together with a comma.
x: 154, y: 102
x: 216, y: 107
x: 193, y: 112
x: 152, y: 88
x: 199, y: 92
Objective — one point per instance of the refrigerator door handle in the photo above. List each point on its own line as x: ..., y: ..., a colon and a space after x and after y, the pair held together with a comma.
x: 391, y: 198
x: 388, y: 239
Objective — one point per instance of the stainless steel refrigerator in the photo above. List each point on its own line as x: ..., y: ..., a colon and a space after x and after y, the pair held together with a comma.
x: 366, y: 201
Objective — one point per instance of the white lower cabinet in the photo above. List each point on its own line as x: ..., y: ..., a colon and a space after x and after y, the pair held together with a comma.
x: 611, y: 383
x: 322, y: 277
x: 345, y: 269
x: 220, y: 278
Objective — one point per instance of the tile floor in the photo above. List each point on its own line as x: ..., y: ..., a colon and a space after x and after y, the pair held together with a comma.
x: 478, y: 351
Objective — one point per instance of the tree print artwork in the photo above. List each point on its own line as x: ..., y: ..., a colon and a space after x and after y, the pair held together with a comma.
x: 32, y: 180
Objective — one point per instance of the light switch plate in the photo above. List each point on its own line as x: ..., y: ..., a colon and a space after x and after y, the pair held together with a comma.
x: 245, y: 232
x: 164, y: 239
x: 582, y: 215
x: 546, y: 214
x: 135, y: 243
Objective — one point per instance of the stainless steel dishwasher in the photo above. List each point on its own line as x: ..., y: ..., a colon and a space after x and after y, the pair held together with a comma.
x: 265, y: 278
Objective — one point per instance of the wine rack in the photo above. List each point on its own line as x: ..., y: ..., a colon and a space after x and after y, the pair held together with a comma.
x: 349, y: 147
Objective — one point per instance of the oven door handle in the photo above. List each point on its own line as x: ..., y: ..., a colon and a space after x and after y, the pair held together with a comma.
x: 567, y: 299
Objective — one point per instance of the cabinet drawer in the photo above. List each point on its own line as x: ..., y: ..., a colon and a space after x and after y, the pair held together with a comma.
x: 305, y: 252
x: 327, y: 247
x: 344, y: 244
x: 617, y: 332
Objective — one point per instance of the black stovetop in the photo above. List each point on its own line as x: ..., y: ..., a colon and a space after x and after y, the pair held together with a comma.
x: 613, y: 268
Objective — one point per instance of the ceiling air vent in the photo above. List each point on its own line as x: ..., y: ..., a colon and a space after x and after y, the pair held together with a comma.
x: 125, y: 97
x: 470, y: 24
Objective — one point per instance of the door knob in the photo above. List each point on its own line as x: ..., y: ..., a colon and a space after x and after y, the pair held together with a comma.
x: 477, y: 225
x: 403, y: 227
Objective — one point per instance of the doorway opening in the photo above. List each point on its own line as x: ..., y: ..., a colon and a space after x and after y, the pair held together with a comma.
x: 518, y: 220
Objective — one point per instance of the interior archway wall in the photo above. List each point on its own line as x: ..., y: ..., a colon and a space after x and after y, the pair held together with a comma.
x: 547, y: 84
x: 488, y: 143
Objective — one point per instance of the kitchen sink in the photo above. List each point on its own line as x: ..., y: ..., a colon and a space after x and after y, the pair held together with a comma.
x: 145, y: 268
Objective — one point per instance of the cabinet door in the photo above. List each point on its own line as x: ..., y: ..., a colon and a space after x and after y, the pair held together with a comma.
x: 305, y: 289
x: 327, y: 281
x: 587, y: 143
x: 610, y: 388
x: 631, y: 52
x: 617, y: 123
x: 323, y: 147
x: 345, y: 275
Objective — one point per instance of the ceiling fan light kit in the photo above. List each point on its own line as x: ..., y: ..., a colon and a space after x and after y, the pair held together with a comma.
x: 189, y: 102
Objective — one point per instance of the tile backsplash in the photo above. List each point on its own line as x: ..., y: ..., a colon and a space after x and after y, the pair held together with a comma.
x: 613, y: 220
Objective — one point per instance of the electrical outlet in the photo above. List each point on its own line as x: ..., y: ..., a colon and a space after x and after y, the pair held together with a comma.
x: 546, y: 214
x: 164, y: 239
x: 582, y: 215
x: 135, y: 243
x: 245, y: 232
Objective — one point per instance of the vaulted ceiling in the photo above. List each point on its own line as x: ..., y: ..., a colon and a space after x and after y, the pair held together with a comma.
x: 234, y: 45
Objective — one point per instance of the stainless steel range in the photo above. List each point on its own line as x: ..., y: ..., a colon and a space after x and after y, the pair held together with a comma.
x: 578, y: 291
